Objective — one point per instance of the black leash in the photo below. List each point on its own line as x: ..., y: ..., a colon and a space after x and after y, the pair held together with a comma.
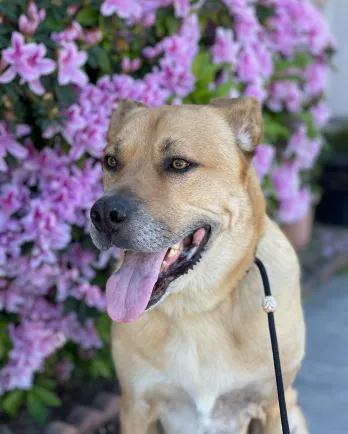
x: 270, y: 305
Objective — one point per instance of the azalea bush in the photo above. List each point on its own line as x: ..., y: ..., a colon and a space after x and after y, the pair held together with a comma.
x: 64, y: 67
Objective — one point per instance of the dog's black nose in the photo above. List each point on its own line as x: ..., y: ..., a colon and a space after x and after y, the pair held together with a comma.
x: 109, y: 211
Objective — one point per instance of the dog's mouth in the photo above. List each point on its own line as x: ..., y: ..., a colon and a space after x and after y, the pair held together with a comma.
x: 143, y: 279
x: 178, y: 260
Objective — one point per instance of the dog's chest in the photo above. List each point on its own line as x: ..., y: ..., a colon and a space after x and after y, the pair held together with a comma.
x: 230, y: 414
x: 209, y: 391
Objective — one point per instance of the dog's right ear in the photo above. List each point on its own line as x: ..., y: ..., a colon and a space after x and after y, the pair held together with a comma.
x: 124, y: 108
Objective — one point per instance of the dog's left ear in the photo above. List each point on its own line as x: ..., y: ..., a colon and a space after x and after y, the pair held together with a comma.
x: 124, y: 108
x: 244, y: 116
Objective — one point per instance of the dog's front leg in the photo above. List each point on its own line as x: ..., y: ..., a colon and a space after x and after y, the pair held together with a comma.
x: 135, y: 417
x: 297, y: 423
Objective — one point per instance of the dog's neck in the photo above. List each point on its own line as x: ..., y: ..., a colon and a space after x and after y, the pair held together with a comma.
x: 225, y: 262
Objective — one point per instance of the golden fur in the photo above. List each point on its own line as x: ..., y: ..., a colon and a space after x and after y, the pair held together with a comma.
x: 201, y: 361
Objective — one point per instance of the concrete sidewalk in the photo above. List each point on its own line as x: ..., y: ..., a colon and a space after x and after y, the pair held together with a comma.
x: 323, y: 380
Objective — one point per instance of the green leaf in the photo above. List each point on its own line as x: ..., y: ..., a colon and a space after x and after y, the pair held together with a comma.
x: 12, y: 401
x: 264, y: 12
x: 48, y: 382
x: 36, y: 409
x: 102, y: 368
x: 291, y: 77
x: 103, y: 327
x: 200, y: 60
x: 65, y: 94
x: 274, y: 130
x: 9, y: 11
x: 46, y: 396
x: 26, y: 248
x: 54, y: 24
x: 307, y: 118
x: 82, y: 312
x: 92, y: 59
x: 88, y: 17
x: 70, y: 304
x: 171, y: 24
x: 104, y: 62
x: 100, y: 279
x: 201, y: 95
x: 19, y: 2
x: 222, y: 89
x: 203, y: 69
x: 5, y: 343
x: 301, y: 60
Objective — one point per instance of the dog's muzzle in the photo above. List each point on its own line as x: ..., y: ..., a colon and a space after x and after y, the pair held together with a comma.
x: 122, y: 221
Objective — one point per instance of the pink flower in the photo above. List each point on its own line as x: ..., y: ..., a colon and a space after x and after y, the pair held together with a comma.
x: 236, y: 6
x: 321, y: 113
x: 123, y: 8
x: 32, y: 343
x: 286, y: 180
x: 84, y: 335
x: 225, y: 49
x: 70, y: 34
x: 257, y: 90
x: 92, y: 294
x: 9, y: 144
x: 248, y: 68
x: 263, y: 160
x: 305, y: 149
x: 129, y: 65
x: 285, y: 93
x: 42, y: 225
x: 153, y: 93
x: 29, y: 24
x: 149, y: 19
x: 26, y: 60
x: 316, y: 76
x: 247, y: 25
x: 294, y: 208
x: 181, y: 7
x: 92, y: 37
x: 70, y: 61
x: 76, y: 121
x: 264, y: 55
x: 176, y: 78
x: 299, y: 24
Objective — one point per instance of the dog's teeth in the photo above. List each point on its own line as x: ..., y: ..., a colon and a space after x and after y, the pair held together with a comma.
x: 172, y: 252
x: 164, y: 265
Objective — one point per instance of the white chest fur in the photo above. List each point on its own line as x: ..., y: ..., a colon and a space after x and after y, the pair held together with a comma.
x: 202, y: 388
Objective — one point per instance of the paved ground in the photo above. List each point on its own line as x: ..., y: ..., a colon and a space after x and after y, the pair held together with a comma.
x: 323, y: 380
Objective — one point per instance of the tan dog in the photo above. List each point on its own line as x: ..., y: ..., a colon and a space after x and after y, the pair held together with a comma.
x: 195, y: 354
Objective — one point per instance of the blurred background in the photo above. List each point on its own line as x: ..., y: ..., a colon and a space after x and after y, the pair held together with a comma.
x: 65, y: 64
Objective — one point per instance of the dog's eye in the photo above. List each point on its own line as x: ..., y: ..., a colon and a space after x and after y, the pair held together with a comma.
x: 179, y: 164
x: 110, y: 162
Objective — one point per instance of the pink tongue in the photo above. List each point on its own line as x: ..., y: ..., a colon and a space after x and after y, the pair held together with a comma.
x: 128, y: 291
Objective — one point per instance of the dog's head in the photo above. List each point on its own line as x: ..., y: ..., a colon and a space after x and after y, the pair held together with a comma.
x: 177, y: 182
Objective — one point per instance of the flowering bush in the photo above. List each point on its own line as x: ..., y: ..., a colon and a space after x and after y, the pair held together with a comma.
x: 64, y: 66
